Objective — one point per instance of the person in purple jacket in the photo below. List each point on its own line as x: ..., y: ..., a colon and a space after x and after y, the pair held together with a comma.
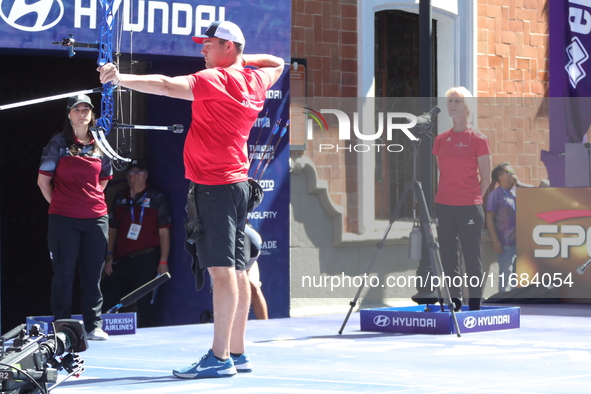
x: 501, y: 219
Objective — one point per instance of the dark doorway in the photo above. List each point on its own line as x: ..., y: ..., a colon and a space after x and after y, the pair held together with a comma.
x: 24, y: 258
x: 397, y: 76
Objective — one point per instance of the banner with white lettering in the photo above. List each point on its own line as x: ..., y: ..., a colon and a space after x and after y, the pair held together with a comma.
x: 553, y: 245
x: 417, y: 320
x: 162, y: 27
x: 113, y: 323
x: 269, y: 148
x: 570, y: 81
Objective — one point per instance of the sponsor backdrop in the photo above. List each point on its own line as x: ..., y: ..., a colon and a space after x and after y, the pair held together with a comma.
x: 570, y: 81
x: 161, y: 27
x: 164, y: 28
x: 553, y: 230
x: 418, y: 320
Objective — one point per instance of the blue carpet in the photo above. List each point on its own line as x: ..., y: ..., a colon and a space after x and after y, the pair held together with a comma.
x: 550, y: 353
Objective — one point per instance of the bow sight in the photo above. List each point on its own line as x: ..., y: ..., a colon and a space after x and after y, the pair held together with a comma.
x: 31, y: 361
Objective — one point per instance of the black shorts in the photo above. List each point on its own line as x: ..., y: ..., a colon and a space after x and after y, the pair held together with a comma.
x: 222, y: 215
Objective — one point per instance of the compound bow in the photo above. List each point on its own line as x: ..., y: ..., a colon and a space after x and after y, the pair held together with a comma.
x: 105, y: 122
x: 105, y: 55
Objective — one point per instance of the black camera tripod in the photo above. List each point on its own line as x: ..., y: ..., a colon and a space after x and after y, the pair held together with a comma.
x: 429, y: 233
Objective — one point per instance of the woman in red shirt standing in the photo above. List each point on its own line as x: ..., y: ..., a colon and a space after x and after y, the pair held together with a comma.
x: 72, y: 177
x: 463, y: 158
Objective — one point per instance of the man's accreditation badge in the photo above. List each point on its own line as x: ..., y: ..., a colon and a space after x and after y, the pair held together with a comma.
x: 134, y: 231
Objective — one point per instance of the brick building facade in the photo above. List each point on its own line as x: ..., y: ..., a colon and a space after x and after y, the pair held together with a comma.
x: 507, y: 53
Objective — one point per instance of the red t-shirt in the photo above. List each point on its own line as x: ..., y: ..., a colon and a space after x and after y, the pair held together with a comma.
x: 457, y: 157
x: 225, y: 106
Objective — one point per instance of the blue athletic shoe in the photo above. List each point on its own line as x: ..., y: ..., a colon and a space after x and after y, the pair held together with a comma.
x: 208, y: 367
x: 242, y: 363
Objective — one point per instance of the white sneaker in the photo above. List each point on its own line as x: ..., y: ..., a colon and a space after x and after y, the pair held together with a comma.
x: 97, y: 335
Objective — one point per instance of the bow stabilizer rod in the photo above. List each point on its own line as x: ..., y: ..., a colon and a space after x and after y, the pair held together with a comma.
x: 49, y: 98
x: 175, y: 128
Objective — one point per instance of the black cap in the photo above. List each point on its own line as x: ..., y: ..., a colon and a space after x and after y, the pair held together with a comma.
x: 81, y: 98
x: 137, y: 163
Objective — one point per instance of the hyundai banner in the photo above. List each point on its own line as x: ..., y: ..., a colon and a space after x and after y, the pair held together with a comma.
x: 432, y: 320
x: 162, y: 27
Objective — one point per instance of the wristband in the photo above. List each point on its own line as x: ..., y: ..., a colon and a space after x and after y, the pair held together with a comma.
x: 164, y: 262
x: 109, y: 253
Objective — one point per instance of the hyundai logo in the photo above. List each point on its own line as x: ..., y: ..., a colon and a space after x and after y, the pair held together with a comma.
x: 470, y: 322
x: 381, y: 321
x: 37, y: 16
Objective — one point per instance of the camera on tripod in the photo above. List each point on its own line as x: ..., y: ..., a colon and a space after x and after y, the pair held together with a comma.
x: 32, y: 360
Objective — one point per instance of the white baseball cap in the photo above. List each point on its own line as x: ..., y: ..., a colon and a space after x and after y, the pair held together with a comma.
x: 224, y: 30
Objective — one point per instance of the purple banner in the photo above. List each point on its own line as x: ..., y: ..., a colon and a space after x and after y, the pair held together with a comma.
x: 415, y: 320
x: 269, y: 146
x: 570, y: 81
x: 412, y: 320
x: 489, y: 318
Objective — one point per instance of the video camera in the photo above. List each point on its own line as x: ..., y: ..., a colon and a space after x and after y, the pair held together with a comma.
x: 31, y: 361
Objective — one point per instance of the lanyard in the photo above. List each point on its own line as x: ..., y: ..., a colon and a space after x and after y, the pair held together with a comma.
x: 142, y: 211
